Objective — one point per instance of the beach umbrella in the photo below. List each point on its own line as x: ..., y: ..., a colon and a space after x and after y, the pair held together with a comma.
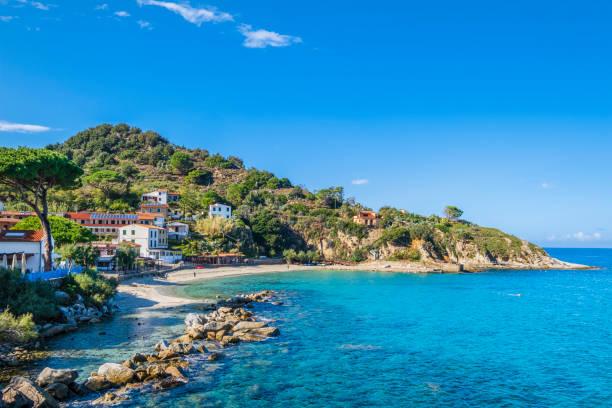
x: 23, y: 263
x: 4, y: 264
x: 14, y: 264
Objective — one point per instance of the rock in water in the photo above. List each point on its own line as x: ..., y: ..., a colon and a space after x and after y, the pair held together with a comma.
x: 21, y: 392
x: 193, y: 319
x: 249, y: 325
x: 97, y: 383
x: 116, y: 373
x: 62, y: 297
x: 58, y: 390
x: 176, y: 373
x: 49, y: 376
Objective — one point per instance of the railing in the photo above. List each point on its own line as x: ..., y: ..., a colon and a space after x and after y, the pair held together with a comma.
x: 56, y: 274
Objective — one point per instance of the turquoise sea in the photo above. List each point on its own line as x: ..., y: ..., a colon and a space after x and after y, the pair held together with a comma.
x: 364, y: 339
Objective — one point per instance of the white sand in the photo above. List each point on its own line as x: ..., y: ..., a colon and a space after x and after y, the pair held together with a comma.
x: 151, y: 293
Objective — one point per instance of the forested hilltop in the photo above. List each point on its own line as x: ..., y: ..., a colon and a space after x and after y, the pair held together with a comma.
x: 272, y: 216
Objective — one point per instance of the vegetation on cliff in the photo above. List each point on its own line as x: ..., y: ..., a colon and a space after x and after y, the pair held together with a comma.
x: 271, y: 215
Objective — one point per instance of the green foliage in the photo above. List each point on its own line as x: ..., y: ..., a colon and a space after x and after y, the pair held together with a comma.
x: 107, y: 181
x: 236, y: 193
x: 359, y: 255
x: 125, y: 256
x: 23, y: 297
x: 95, y: 144
x: 16, y: 329
x: 406, y: 255
x: 63, y: 230
x: 396, y: 235
x: 181, y: 162
x: 296, y: 193
x: 211, y: 197
x: 269, y: 232
x: 297, y: 208
x: 218, y: 161
x: 452, y: 212
x: 332, y: 197
x: 199, y: 177
x: 305, y: 257
x: 93, y: 287
x: 290, y: 255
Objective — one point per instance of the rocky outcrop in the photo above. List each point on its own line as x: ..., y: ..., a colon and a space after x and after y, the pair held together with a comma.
x: 166, y: 367
x: 50, y: 376
x: 21, y: 392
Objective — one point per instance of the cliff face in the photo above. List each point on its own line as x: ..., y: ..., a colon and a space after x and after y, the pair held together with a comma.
x: 501, y: 251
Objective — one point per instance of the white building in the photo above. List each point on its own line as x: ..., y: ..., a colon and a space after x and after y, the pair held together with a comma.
x: 178, y: 230
x: 160, y: 197
x: 220, y: 210
x: 153, y: 241
x: 17, y: 246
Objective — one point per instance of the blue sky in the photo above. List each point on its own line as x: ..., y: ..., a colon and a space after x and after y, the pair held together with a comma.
x: 502, y: 109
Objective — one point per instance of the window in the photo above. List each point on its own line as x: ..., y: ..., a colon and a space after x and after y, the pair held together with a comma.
x: 133, y: 232
x: 124, y: 232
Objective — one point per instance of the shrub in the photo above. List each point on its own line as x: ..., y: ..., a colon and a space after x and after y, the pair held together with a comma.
x: 22, y: 296
x: 406, y: 255
x: 16, y: 329
x: 93, y: 287
x: 199, y: 177
x: 359, y: 255
x: 181, y: 162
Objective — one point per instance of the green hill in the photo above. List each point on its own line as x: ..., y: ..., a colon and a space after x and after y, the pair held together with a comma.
x: 272, y: 216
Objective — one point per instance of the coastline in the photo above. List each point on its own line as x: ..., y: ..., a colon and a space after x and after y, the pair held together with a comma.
x: 130, y: 294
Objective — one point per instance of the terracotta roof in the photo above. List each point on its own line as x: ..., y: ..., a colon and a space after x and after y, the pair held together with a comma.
x: 367, y: 214
x: 144, y: 226
x: 79, y: 215
x: 21, y: 236
x: 9, y: 220
x: 145, y: 216
x: 32, y: 213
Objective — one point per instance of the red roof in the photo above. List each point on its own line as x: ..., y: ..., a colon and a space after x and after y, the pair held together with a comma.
x: 79, y: 215
x: 367, y: 214
x: 21, y: 236
x: 32, y: 213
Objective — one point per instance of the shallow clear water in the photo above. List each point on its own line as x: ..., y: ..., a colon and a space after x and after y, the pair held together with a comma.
x: 357, y: 339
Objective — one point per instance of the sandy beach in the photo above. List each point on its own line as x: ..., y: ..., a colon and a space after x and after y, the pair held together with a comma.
x: 159, y: 291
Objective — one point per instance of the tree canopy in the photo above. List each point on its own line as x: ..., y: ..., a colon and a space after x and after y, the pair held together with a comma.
x: 105, y: 180
x: 181, y: 162
x: 63, y: 230
x: 31, y: 173
x: 453, y: 212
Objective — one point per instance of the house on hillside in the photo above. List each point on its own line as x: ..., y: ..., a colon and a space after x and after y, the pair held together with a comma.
x: 178, y: 230
x: 23, y: 250
x: 220, y: 210
x: 153, y: 242
x: 368, y: 218
x: 160, y: 197
x: 161, y: 210
x: 102, y: 224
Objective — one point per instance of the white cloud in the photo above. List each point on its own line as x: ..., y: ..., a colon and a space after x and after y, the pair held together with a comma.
x: 21, y: 128
x: 6, y: 19
x: 145, y: 24
x: 546, y: 186
x: 122, y: 13
x: 194, y: 15
x: 264, y: 38
x: 37, y: 4
x: 40, y: 6
x: 101, y: 7
x: 578, y: 236
x: 360, y: 181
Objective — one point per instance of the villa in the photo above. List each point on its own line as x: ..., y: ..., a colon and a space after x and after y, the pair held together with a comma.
x: 220, y: 210
x: 102, y: 224
x: 161, y: 210
x: 178, y: 230
x: 23, y: 250
x: 368, y: 218
x: 160, y: 197
x: 153, y: 241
